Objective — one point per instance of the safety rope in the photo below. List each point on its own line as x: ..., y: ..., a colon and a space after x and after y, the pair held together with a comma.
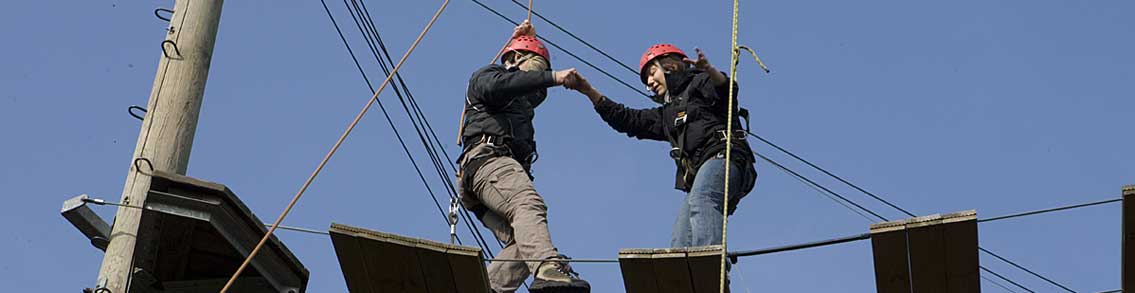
x: 334, y: 148
x: 461, y: 125
x: 728, y: 144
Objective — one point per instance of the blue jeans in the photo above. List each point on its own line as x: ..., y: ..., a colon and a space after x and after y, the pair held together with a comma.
x: 699, y: 218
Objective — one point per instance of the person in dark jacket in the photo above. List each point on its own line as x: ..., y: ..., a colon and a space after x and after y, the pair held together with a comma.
x: 495, y: 179
x: 692, y: 118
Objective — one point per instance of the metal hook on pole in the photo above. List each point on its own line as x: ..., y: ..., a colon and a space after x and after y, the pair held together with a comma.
x: 135, y: 114
x: 139, y: 168
x: 175, y: 50
x: 157, y: 12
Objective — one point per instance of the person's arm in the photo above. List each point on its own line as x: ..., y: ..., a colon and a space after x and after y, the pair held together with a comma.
x: 638, y: 123
x: 496, y: 85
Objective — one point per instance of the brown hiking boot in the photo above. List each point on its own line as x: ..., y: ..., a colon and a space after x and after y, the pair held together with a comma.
x: 557, y: 277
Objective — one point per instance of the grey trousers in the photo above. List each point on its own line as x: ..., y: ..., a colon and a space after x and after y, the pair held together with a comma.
x: 516, y: 215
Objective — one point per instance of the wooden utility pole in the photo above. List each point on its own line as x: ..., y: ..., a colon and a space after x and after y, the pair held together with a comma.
x: 167, y: 130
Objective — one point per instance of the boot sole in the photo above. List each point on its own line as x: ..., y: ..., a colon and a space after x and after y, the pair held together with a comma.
x: 559, y: 287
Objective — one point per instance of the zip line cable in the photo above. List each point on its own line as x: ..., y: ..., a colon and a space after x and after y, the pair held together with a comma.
x: 566, y: 51
x: 822, y: 170
x: 420, y: 116
x: 625, y: 84
x: 997, y: 283
x: 1005, y: 279
x: 1024, y: 269
x: 331, y: 153
x: 577, y: 38
x: 1029, y: 213
x: 999, y: 257
x: 371, y: 32
x: 825, y: 189
x: 397, y: 134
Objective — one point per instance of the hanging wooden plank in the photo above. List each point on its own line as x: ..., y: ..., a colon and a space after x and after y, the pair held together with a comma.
x: 936, y: 253
x: 380, y: 262
x: 1128, y: 269
x: 677, y: 270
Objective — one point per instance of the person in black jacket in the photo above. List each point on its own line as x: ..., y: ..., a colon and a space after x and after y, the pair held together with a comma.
x: 692, y: 118
x: 495, y: 179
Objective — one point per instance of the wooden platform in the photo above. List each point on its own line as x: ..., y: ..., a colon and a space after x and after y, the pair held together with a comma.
x: 376, y: 262
x: 936, y: 253
x: 684, y: 270
x: 199, y: 232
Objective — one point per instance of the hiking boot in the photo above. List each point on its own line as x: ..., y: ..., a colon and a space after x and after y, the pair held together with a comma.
x: 557, y: 277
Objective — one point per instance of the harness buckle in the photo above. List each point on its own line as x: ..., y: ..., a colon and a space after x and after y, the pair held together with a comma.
x: 737, y: 134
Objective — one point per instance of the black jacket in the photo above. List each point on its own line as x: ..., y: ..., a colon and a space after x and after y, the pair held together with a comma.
x: 502, y: 102
x: 694, y: 139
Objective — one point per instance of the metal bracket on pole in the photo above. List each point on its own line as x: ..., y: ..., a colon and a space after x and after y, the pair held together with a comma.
x: 75, y: 210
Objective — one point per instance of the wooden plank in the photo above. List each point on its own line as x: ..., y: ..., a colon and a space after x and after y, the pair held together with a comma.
x: 936, y: 253
x: 705, y: 268
x: 927, y: 259
x: 393, y: 267
x: 672, y: 273
x: 1128, y: 241
x: 436, y: 270
x: 393, y: 263
x: 469, y: 275
x: 349, y: 252
x: 891, y: 272
x: 677, y: 270
x: 637, y: 273
x: 962, y: 272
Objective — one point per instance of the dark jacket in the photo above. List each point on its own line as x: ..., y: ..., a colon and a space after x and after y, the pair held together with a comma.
x: 501, y: 102
x: 695, y: 138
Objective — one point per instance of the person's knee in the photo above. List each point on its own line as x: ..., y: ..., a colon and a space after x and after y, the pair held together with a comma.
x: 529, y: 202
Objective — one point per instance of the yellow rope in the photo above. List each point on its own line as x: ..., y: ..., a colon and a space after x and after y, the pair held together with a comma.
x: 728, y: 144
x: 334, y: 148
x: 755, y: 58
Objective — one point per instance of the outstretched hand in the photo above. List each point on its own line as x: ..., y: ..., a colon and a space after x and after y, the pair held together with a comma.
x: 576, y: 82
x: 580, y: 84
x: 702, y: 62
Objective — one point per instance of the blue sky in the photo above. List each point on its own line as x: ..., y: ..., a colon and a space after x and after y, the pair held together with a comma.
x: 998, y: 106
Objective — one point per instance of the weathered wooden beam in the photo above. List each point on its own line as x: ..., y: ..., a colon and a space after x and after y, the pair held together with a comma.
x: 380, y: 262
x: 671, y: 270
x: 936, y: 253
x: 167, y: 131
x: 75, y: 210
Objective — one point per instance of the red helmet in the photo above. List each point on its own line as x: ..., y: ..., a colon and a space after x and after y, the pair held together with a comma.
x: 528, y: 44
x: 654, y: 52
